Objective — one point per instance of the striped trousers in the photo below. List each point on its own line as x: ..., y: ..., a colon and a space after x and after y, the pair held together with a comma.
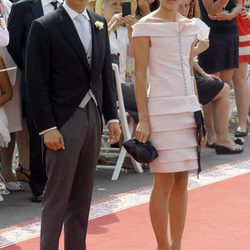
x: 70, y: 173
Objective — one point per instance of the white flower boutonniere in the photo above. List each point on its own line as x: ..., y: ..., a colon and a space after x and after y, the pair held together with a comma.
x: 99, y: 25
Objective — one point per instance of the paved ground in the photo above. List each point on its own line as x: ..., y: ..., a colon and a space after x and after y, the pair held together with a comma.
x: 17, y: 208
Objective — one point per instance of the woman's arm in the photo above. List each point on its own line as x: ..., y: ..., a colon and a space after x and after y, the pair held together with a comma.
x: 4, y: 34
x: 141, y: 52
x: 245, y: 14
x: 200, y: 47
x: 130, y: 21
x: 237, y: 9
x: 191, y: 64
x: 5, y: 86
x: 212, y: 7
x: 115, y: 21
x: 223, y: 15
x: 196, y: 9
x: 144, y: 7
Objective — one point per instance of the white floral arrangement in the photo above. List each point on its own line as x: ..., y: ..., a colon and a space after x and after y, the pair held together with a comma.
x: 99, y: 25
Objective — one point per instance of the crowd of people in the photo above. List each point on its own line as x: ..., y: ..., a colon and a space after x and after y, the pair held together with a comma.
x: 37, y: 103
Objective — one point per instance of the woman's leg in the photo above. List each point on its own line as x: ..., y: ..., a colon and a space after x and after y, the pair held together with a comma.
x: 226, y: 75
x: 178, y: 209
x: 7, y: 158
x: 22, y: 139
x: 241, y: 95
x: 158, y: 208
x: 221, y: 108
x: 209, y: 121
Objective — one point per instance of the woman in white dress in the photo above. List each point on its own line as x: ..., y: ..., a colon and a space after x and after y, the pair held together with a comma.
x: 12, y: 108
x: 5, y: 96
x: 163, y: 42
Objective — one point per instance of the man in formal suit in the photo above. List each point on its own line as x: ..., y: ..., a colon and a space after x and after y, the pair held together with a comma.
x: 70, y: 85
x: 21, y: 16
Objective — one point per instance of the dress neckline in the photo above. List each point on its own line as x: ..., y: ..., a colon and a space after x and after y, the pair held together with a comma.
x: 170, y: 22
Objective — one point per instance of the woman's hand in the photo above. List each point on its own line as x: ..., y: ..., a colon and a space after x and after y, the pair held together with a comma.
x: 143, y: 131
x: 222, y: 16
x: 201, y: 46
x: 203, y: 141
x: 115, y: 21
x: 212, y: 77
x: 245, y: 14
x: 130, y: 21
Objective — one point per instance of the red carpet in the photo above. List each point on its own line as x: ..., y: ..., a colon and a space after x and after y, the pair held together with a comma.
x: 218, y: 219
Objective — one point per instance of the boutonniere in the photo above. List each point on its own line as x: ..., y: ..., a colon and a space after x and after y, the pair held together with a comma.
x: 99, y: 25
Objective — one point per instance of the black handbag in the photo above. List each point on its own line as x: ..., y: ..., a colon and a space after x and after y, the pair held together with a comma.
x: 141, y: 152
x: 200, y: 133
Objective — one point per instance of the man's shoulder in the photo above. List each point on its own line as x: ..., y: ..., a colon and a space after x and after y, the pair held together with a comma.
x: 50, y: 18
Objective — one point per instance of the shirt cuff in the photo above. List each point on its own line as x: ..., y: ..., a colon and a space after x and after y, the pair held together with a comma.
x: 113, y: 120
x: 44, y: 131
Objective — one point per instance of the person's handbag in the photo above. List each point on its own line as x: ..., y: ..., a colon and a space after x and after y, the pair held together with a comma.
x: 141, y: 152
x: 200, y: 133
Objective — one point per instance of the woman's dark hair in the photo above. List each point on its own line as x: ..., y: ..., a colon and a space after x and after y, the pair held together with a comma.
x: 154, y: 5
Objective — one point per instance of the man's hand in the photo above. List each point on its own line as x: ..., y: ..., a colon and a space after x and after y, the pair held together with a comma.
x: 114, y: 132
x: 53, y: 140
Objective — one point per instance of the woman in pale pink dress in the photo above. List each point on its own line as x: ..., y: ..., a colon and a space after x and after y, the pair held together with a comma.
x: 163, y: 42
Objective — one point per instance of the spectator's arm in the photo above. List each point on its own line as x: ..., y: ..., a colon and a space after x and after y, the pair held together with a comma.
x: 237, y: 9
x: 212, y: 7
x: 4, y: 34
x: 5, y: 86
x: 144, y: 7
x: 198, y: 69
x: 115, y: 21
x: 200, y: 47
x: 130, y: 21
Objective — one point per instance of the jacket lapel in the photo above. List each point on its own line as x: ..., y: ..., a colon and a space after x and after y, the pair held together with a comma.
x: 36, y: 8
x: 68, y: 29
x: 96, y: 41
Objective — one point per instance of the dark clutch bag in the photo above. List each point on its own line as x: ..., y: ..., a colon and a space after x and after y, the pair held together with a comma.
x: 200, y: 133
x: 200, y: 126
x: 141, y: 152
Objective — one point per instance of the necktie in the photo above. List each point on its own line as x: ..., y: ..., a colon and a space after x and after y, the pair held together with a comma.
x: 54, y: 4
x: 84, y: 33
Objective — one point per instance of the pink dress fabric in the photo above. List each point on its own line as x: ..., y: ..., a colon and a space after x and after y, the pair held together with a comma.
x: 171, y: 96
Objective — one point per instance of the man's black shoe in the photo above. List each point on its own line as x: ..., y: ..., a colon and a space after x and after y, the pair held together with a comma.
x: 36, y: 198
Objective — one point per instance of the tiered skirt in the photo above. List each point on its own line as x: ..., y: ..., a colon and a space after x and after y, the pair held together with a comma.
x: 173, y: 133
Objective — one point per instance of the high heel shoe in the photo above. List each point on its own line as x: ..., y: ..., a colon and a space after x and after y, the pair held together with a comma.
x: 239, y: 133
x: 22, y: 174
x: 11, y: 185
x: 222, y: 150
